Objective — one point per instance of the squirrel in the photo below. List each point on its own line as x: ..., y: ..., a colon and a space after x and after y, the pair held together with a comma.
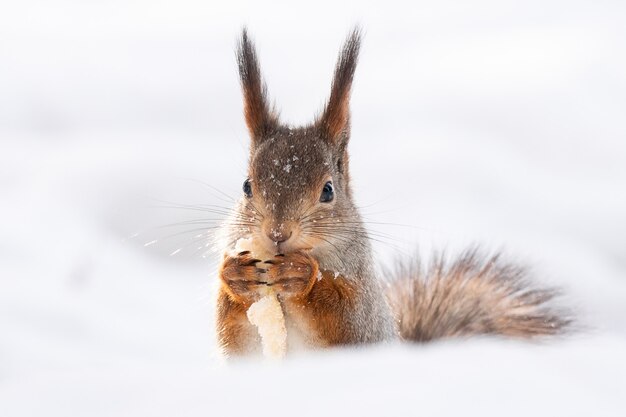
x: 297, y: 203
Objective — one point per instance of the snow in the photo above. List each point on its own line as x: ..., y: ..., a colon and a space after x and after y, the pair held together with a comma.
x: 497, y: 122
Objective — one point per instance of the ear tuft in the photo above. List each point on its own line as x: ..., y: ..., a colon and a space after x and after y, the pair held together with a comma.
x: 260, y: 117
x: 335, y: 119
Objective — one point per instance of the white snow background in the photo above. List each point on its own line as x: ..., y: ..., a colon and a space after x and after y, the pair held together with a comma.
x: 495, y: 122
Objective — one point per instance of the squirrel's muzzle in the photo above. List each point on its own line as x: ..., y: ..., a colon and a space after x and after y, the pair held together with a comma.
x: 279, y: 232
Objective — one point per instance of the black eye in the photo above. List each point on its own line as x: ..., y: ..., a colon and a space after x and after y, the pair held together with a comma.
x: 247, y: 188
x: 327, y: 193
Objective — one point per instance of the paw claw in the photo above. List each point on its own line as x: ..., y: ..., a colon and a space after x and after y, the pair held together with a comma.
x: 250, y: 262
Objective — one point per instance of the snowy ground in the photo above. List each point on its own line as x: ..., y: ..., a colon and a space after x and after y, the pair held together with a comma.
x: 494, y: 122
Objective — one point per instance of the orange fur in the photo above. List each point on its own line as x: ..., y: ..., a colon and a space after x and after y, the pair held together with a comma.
x: 236, y: 336
x: 327, y: 309
x: 321, y: 306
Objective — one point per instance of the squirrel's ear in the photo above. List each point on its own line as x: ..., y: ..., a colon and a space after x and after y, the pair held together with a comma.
x: 335, y: 119
x: 260, y: 116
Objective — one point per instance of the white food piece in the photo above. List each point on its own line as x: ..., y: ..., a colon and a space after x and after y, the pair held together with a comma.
x: 267, y: 313
x: 250, y: 245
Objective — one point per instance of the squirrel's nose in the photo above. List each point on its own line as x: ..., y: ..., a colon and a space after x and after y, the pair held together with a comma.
x: 279, y: 235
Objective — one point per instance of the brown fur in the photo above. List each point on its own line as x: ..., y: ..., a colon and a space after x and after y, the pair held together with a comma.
x: 323, y: 271
x: 242, y: 277
x: 235, y: 335
x: 470, y: 296
x: 335, y: 119
x: 261, y: 119
x: 322, y: 305
x: 327, y: 310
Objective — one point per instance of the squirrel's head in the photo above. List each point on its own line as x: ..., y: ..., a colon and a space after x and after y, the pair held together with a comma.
x: 297, y: 192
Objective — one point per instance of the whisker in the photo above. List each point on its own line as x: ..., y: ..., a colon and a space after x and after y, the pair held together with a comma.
x: 230, y: 198
x: 189, y: 222
x: 340, y: 227
x: 192, y: 241
x: 184, y: 232
x: 349, y: 237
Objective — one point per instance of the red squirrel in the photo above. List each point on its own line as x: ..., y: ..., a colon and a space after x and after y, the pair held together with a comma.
x: 297, y: 204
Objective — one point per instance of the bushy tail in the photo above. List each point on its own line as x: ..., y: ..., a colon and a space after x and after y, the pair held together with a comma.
x: 473, y: 295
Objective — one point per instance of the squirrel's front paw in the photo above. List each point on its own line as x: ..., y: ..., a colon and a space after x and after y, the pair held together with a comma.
x: 293, y: 274
x: 243, y: 276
